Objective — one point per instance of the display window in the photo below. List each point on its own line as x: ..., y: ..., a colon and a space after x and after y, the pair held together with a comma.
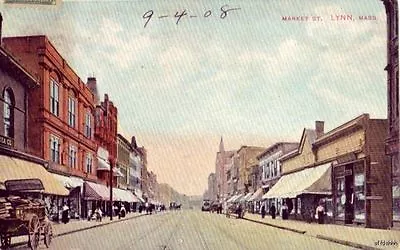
x: 359, y: 196
x: 340, y: 198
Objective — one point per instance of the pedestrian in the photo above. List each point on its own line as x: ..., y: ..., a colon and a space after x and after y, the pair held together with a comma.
x: 320, y: 212
x: 272, y: 211
x: 146, y: 205
x: 99, y: 214
x: 122, y: 212
x: 65, y: 214
x: 285, y: 213
x: 263, y: 211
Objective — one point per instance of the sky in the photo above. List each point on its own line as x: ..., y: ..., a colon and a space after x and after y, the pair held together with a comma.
x: 251, y: 77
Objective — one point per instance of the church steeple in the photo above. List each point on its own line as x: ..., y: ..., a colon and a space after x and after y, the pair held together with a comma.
x: 221, y: 145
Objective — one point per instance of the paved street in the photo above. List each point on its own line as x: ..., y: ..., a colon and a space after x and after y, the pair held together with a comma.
x: 188, y: 230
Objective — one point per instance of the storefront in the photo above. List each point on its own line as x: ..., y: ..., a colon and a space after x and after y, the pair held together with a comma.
x: 301, y: 191
x: 12, y: 168
x: 361, y: 174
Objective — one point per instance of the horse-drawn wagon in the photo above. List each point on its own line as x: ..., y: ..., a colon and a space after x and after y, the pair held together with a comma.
x: 21, y: 216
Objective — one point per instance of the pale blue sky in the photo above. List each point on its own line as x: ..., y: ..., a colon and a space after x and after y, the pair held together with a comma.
x: 250, y: 77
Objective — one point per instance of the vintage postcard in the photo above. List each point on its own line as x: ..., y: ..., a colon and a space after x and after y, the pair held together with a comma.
x: 203, y: 124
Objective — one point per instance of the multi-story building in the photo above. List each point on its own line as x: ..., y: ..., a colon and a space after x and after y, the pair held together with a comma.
x: 247, y: 156
x: 135, y: 172
x: 60, y: 117
x: 271, y: 169
x: 392, y: 68
x: 16, y: 82
x: 212, y: 192
x: 144, y: 180
x: 123, y: 161
x: 222, y: 163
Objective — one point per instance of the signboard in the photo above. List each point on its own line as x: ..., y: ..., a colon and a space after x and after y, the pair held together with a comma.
x: 6, y: 142
x: 24, y: 185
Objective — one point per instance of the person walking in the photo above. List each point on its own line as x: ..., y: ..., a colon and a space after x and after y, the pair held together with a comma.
x: 285, y: 211
x: 272, y: 211
x: 65, y: 214
x: 122, y: 212
x: 320, y: 212
x: 263, y: 212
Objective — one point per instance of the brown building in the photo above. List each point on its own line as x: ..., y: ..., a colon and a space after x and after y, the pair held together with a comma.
x: 247, y: 156
x: 60, y: 117
x: 346, y: 167
x: 223, y: 163
x: 392, y: 68
x: 16, y: 84
x: 123, y: 161
x: 105, y: 135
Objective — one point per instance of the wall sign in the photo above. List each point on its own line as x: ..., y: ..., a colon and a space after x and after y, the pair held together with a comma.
x: 6, y: 142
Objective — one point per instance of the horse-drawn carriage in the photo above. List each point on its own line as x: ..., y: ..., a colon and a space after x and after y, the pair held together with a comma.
x: 23, y: 216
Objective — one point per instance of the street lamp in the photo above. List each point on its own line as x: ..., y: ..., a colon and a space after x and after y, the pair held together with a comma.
x: 112, y: 161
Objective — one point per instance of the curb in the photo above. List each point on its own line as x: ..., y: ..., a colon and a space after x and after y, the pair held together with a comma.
x: 280, y: 227
x: 81, y: 229
x: 96, y: 225
x: 347, y: 243
x: 338, y: 241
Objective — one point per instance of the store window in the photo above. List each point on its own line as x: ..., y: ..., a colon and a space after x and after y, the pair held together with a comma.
x: 396, y: 187
x: 8, y: 113
x: 359, y: 196
x: 340, y: 198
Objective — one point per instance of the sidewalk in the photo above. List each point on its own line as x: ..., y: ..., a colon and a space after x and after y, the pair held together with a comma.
x: 73, y: 226
x: 364, y: 238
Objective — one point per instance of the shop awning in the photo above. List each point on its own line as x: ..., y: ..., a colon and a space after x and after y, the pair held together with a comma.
x: 231, y: 199
x: 13, y: 169
x: 237, y: 198
x: 246, y: 197
x: 69, y: 181
x: 94, y: 191
x: 316, y: 180
x: 103, y: 165
x: 124, y: 195
x: 257, y: 195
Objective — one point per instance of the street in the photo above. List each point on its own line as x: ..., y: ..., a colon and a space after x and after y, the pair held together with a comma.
x: 187, y: 229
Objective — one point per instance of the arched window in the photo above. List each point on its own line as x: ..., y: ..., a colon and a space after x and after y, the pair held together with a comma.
x: 8, y: 120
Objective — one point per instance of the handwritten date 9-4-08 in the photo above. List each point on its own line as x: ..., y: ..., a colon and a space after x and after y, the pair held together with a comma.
x: 222, y: 13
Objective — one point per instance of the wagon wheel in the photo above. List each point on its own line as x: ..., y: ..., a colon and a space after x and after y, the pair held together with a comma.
x: 48, y: 234
x: 5, y: 241
x: 34, y: 232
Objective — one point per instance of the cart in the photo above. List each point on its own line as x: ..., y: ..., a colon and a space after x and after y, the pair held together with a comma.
x: 27, y: 220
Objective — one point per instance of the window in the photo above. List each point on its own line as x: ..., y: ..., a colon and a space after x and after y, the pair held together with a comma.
x: 71, y: 111
x: 340, y: 198
x: 276, y: 162
x: 88, y: 125
x: 72, y: 157
x: 8, y: 113
x: 54, y: 149
x: 54, y: 97
x: 359, y: 197
x: 89, y: 162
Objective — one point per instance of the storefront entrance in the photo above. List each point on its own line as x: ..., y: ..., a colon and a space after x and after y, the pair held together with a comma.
x: 349, y: 193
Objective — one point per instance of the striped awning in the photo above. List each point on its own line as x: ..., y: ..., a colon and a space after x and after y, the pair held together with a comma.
x: 94, y: 191
x: 12, y: 168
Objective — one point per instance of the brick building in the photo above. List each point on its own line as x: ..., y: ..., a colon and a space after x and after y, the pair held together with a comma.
x: 223, y: 163
x: 247, y: 157
x: 123, y: 161
x: 60, y: 116
x: 392, y: 68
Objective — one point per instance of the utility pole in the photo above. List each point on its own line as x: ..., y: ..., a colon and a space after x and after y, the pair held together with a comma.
x: 111, y: 160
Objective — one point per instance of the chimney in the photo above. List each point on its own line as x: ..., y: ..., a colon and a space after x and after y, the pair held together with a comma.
x: 133, y: 142
x: 92, y: 85
x: 319, y: 128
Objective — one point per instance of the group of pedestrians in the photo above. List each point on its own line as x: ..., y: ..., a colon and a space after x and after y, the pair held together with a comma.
x: 319, y: 212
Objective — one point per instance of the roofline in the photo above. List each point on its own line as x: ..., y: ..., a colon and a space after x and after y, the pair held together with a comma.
x: 357, y: 122
x: 273, y: 146
x: 10, y: 57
